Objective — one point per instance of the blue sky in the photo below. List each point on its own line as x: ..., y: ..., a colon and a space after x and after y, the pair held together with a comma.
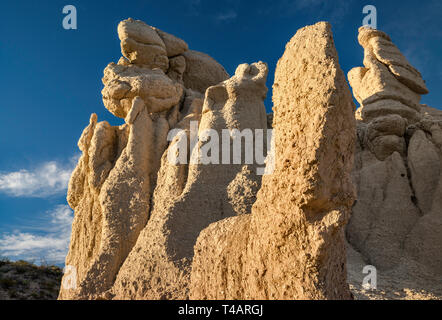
x: 51, y: 81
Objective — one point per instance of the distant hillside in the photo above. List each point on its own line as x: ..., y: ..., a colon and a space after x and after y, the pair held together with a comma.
x: 22, y: 280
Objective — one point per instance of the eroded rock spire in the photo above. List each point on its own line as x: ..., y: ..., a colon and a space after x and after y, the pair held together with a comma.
x: 396, y: 221
x: 292, y: 245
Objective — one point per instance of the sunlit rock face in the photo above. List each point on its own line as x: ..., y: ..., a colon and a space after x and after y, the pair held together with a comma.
x: 137, y: 215
x: 146, y: 227
x: 397, y: 216
x: 292, y: 245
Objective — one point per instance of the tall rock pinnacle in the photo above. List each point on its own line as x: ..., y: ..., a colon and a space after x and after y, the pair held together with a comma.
x: 292, y: 245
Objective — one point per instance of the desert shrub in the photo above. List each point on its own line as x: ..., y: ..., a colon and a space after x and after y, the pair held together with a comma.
x: 13, y: 294
x: 22, y: 266
x: 24, y: 283
x: 33, y: 275
x: 4, y: 261
x: 48, y: 285
x: 51, y: 270
x: 35, y: 295
x: 7, y: 283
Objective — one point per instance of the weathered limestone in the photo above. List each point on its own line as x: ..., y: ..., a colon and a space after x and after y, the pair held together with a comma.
x: 292, y: 244
x: 398, y: 162
x: 189, y: 198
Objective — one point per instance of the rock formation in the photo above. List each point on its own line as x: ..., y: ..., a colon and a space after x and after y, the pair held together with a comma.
x: 137, y: 214
x: 388, y: 84
x: 398, y: 213
x: 292, y: 245
x: 170, y: 204
x: 162, y: 256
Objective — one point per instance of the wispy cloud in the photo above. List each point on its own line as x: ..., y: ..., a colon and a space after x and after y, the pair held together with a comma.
x: 49, y: 242
x: 230, y: 15
x: 48, y: 179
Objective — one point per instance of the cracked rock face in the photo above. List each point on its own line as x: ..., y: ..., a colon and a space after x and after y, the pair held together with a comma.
x: 292, y: 245
x: 397, y: 215
x: 137, y: 215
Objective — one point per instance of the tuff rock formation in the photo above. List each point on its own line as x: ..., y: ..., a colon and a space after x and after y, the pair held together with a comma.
x: 398, y: 212
x: 137, y: 213
x: 292, y: 245
x: 187, y: 199
x: 161, y: 214
x: 388, y: 84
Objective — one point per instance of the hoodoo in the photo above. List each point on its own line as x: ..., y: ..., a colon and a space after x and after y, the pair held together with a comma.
x: 292, y: 245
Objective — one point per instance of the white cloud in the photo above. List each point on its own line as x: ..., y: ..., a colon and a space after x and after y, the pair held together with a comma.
x: 48, y: 179
x: 226, y: 16
x: 50, y: 246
